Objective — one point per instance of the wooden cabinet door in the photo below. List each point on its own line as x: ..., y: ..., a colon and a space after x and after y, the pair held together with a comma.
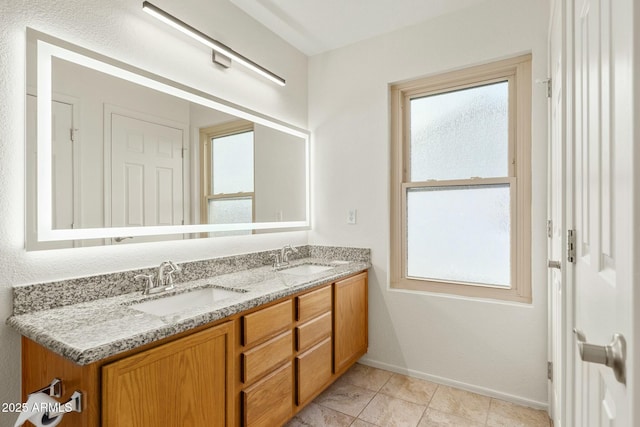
x: 182, y: 383
x: 350, y: 321
x: 313, y: 371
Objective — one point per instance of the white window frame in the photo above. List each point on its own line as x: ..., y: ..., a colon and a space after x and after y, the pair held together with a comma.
x: 517, y: 71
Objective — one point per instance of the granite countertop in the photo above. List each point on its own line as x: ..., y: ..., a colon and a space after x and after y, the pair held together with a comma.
x: 90, y: 331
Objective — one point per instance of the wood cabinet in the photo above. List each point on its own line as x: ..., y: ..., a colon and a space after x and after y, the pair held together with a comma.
x: 284, y: 345
x: 268, y: 402
x: 313, y: 303
x: 255, y: 368
x: 40, y: 366
x: 313, y: 331
x: 264, y: 358
x: 266, y: 322
x: 266, y: 372
x: 181, y: 383
x: 350, y: 327
x: 313, y: 344
x: 313, y: 371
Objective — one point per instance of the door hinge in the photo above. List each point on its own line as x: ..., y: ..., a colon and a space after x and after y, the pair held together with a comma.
x: 72, y: 134
x: 547, y: 82
x: 571, y: 246
x: 550, y: 371
x: 549, y: 228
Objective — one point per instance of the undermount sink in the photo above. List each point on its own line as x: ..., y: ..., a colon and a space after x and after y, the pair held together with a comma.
x: 306, y: 269
x: 176, y: 303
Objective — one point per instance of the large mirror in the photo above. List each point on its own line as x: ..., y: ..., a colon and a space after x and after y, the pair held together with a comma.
x: 126, y: 156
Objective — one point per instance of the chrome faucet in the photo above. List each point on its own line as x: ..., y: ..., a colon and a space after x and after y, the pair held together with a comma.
x: 165, y: 279
x: 285, y: 252
x: 282, y: 258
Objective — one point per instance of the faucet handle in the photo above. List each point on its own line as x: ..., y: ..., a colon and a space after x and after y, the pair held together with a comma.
x: 175, y: 267
x: 276, y: 260
x: 169, y: 276
x: 286, y: 251
x: 148, y: 284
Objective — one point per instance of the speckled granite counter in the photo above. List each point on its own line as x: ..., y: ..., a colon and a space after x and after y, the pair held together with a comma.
x: 88, y: 331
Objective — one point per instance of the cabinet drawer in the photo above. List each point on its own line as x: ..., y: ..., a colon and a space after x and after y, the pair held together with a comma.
x: 313, y: 303
x: 263, y: 358
x: 313, y: 331
x: 313, y: 370
x: 266, y: 322
x: 269, y: 402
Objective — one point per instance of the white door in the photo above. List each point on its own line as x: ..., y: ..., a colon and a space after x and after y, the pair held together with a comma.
x: 62, y: 171
x: 146, y: 175
x: 604, y: 216
x: 556, y: 213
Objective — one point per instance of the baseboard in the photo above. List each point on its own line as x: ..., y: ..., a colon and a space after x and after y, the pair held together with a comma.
x: 457, y: 384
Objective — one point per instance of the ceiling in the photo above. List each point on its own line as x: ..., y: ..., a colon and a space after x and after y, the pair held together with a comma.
x: 315, y: 26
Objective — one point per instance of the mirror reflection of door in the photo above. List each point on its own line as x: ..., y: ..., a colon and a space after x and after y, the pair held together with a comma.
x: 62, y: 170
x: 62, y: 165
x: 273, y: 165
x: 146, y: 175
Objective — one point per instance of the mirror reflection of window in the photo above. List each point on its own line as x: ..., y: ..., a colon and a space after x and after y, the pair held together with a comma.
x: 230, y: 191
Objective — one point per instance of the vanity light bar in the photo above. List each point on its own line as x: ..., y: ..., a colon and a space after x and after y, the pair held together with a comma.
x: 208, y: 41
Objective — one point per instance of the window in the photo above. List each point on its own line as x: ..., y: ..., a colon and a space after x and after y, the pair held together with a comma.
x: 228, y: 175
x: 461, y: 182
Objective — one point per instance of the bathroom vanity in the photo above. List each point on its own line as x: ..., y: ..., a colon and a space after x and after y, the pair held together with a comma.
x: 254, y: 358
x: 237, y: 341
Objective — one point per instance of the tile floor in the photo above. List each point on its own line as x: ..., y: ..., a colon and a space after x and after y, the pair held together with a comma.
x: 370, y: 397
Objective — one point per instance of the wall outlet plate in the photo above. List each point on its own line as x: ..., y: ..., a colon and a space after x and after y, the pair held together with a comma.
x: 352, y: 216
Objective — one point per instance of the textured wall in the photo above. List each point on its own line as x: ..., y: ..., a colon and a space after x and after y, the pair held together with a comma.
x: 119, y: 28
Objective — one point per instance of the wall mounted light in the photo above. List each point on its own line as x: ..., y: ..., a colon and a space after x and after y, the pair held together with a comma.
x: 222, y: 54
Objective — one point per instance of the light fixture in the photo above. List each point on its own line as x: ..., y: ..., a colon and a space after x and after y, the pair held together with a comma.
x: 218, y: 48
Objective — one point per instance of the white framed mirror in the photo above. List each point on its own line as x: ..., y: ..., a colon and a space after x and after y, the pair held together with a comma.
x: 124, y: 156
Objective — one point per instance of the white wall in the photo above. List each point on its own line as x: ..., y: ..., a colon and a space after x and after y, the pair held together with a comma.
x: 499, y: 348
x: 280, y: 176
x: 492, y: 347
x: 119, y: 29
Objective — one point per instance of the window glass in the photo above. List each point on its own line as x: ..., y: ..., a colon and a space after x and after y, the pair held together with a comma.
x: 459, y: 234
x: 461, y: 182
x: 460, y: 134
x: 232, y: 160
x: 231, y: 211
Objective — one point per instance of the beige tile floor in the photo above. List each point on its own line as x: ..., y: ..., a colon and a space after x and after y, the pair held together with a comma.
x: 370, y: 397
